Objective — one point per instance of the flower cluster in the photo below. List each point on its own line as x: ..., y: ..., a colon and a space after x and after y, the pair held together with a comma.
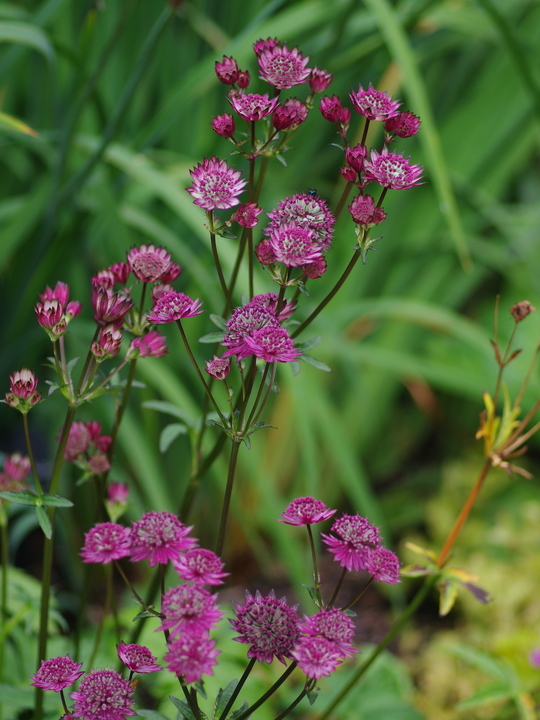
x: 16, y: 469
x: 23, y: 393
x: 88, y: 448
x: 54, y: 312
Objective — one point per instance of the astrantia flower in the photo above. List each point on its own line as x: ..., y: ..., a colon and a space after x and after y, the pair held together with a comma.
x: 57, y: 674
x: 17, y: 466
x: 252, y: 106
x: 23, y: 390
x: 289, y: 115
x: 268, y: 625
x: 159, y: 537
x: 294, y: 245
x: 331, y: 107
x: 109, y: 307
x: 60, y: 292
x: 373, y: 104
x: 355, y: 156
x: 364, y: 211
x: 223, y: 125
x: 244, y: 321
x: 316, y: 656
x: 106, y: 542
x: 384, y: 565
x: 200, y: 566
x: 307, y: 211
x: 333, y: 625
x: 319, y: 80
x: 148, y: 263
x: 189, y: 609
x: 192, y: 656
x: 273, y: 344
x: 283, y: 68
x: 103, y: 695
x: 120, y: 272
x: 246, y: 215
x: 357, y: 537
x: 108, y: 342
x: 78, y: 441
x: 99, y: 463
x: 262, y: 45
x: 216, y: 186
x: 153, y: 345
x: 315, y: 269
x: 227, y: 70
x: 265, y: 254
x: 137, y: 658
x: 403, y: 125
x: 173, y: 306
x: 392, y: 170
x: 306, y: 511
x: 218, y: 367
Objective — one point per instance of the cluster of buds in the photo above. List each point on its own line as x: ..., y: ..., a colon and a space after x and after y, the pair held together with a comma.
x: 23, y: 393
x: 54, y: 312
x: 88, y: 448
x: 16, y: 469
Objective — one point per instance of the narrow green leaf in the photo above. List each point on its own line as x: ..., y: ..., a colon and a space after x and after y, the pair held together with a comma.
x: 219, y: 321
x: 44, y: 522
x: 55, y: 501
x: 21, y: 33
x: 8, y: 122
x: 223, y: 698
x: 171, y: 409
x: 151, y: 715
x: 24, y: 497
x: 169, y: 434
x: 310, y: 360
x: 211, y: 338
x: 183, y: 707
x: 487, y: 695
x: 145, y: 614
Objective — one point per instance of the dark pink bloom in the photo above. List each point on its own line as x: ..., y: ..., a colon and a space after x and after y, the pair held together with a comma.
x: 316, y: 656
x: 330, y: 108
x: 355, y: 157
x: 173, y: 306
x: 57, y: 674
x: 364, y: 211
x: 171, y: 274
x: 23, y: 392
x: 252, y: 106
x: 289, y: 115
x: 294, y: 245
x: 60, y: 293
x: 244, y: 321
x: 373, y: 104
x: 216, y: 186
x: 109, y: 307
x: 137, y: 658
x: 159, y: 537
x: 264, y: 252
x: 218, y: 367
x: 118, y: 493
x: 191, y: 656
x: 315, y: 269
x: 223, y: 125
x: 17, y: 467
x: 306, y: 511
x: 262, y: 45
x: 158, y: 291
x: 269, y: 301
x: 200, y: 566
x: 79, y: 440
x: 272, y: 344
x: 243, y: 79
x: 189, y: 609
x: 333, y: 625
x: 348, y: 173
x: 283, y: 68
x: 403, y: 125
x: 148, y: 263
x: 227, y: 70
x: 120, y: 272
x: 268, y: 625
x: 103, y: 695
x: 392, y: 170
x: 356, y: 539
x: 153, y: 344
x: 246, y: 215
x: 98, y: 463
x: 108, y: 343
x: 307, y: 211
x: 104, y: 279
x: 384, y: 565
x: 319, y: 80
x: 50, y: 316
x: 106, y: 542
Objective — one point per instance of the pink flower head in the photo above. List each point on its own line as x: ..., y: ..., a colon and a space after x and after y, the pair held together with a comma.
x: 294, y: 245
x: 268, y: 625
x: 50, y: 316
x: 307, y: 211
x: 243, y: 79
x: 104, y: 279
x: 160, y: 537
x: 273, y: 344
x: 99, y: 463
x: 120, y: 272
x: 227, y: 70
x: 245, y: 321
x: 348, y: 173
x: 106, y: 542
x: 384, y: 565
x: 331, y: 108
x: 364, y: 211
x: 161, y: 289
x: 283, y: 68
x: 108, y: 343
x: 261, y: 45
x: 109, y: 307
x: 306, y: 511
x: 289, y: 115
x: 189, y: 609
x: 153, y: 345
x: 148, y: 263
x: 171, y: 274
x: 60, y: 293
x: 57, y: 674
x: 356, y: 538
x: 103, y: 695
x: 79, y: 440
x: 316, y: 656
x: 269, y: 301
x: 223, y: 125
x: 218, y: 367
x: 319, y: 80
x: 404, y: 125
x: 251, y: 106
x: 315, y: 269
x: 265, y: 254
x: 200, y: 566
x: 118, y: 492
x: 191, y: 656
x: 333, y: 625
x: 216, y: 186
x: 373, y: 104
x: 173, y: 306
x: 246, y: 215
x: 17, y: 467
x: 23, y: 392
x: 392, y: 170
x: 355, y: 157
x: 137, y: 658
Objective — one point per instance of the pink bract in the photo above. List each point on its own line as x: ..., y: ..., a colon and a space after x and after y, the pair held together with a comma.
x: 252, y: 106
x: 306, y: 511
x: 137, y: 658
x: 373, y: 104
x: 57, y: 674
x: 103, y: 695
x: 191, y: 656
x: 283, y: 68
x: 106, y: 542
x: 392, y: 170
x: 159, y: 537
x: 216, y: 186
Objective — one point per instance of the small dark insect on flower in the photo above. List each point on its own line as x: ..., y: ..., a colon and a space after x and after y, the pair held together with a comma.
x: 312, y: 192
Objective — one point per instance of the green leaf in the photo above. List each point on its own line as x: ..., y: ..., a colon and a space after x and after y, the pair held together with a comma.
x: 482, y: 661
x: 55, y: 501
x: 170, y: 409
x: 183, y: 707
x: 487, y: 695
x: 25, y: 34
x: 8, y: 122
x: 223, y: 697
x: 169, y: 434
x: 152, y: 715
x: 310, y: 360
x: 145, y: 614
x: 308, y: 344
x: 199, y: 688
x: 240, y: 711
x: 44, y: 522
x: 448, y: 594
x: 24, y: 497
x: 219, y: 321
x: 312, y: 695
x: 211, y: 338
x: 227, y: 234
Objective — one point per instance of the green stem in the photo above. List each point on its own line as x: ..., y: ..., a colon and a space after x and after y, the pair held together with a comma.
x: 267, y: 394
x: 394, y: 630
x: 339, y: 584
x: 357, y: 598
x: 307, y: 688
x: 316, y: 576
x: 106, y: 605
x: 130, y: 586
x: 5, y: 570
x: 215, y: 255
x: 268, y: 693
x: 227, y: 498
x: 31, y: 454
x: 237, y: 689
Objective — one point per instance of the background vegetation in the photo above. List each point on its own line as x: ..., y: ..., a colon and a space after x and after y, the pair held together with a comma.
x: 107, y: 107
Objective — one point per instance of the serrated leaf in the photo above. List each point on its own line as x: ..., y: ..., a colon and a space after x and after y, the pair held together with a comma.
x: 44, y: 522
x: 212, y: 338
x: 183, y: 707
x: 448, y: 594
x: 223, y: 697
x: 247, y: 442
x: 312, y: 594
x: 55, y: 501
x: 240, y: 711
x: 145, y: 614
x: 171, y: 409
x: 24, y: 497
x: 199, y: 688
x: 226, y: 234
x: 169, y: 434
x: 310, y: 360
x: 308, y: 344
x: 71, y: 364
x: 219, y: 321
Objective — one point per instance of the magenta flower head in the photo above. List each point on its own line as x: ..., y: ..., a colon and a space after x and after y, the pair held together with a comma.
x: 306, y: 511
x: 246, y: 215
x: 148, y: 263
x: 283, y: 68
x: 268, y: 625
x: 173, y: 306
x: 373, y: 104
x: 272, y: 344
x: 216, y: 186
x: 383, y: 565
x: 200, y: 566
x: 319, y: 80
x: 227, y: 70
x: 189, y: 609
x: 108, y: 342
x: 333, y: 625
x: 103, y: 695
x: 106, y: 542
x: 57, y: 674
x: 23, y: 393
x: 137, y: 658
x: 289, y: 115
x: 316, y: 656
x: 117, y: 500
x: 60, y: 293
x: 218, y: 367
x: 153, y: 345
x: 261, y: 45
x: 191, y: 656
x: 315, y: 269
x: 79, y: 440
x: 243, y: 79
x: 223, y: 125
x: 159, y: 537
x: 17, y: 466
x: 306, y: 211
x: 120, y: 272
x: 392, y: 170
x: 265, y: 254
x: 252, y: 106
x: 109, y: 307
x: 331, y: 108
x: 243, y: 322
x: 294, y: 245
x: 404, y: 125
x: 364, y: 211
x: 356, y: 539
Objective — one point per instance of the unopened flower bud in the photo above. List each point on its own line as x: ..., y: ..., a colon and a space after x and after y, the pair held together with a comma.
x: 403, y: 125
x: 227, y: 70
x: 246, y: 215
x: 223, y: 125
x: 348, y: 173
x: 23, y: 390
x: 218, y: 367
x: 289, y: 115
x: 316, y: 269
x: 330, y: 108
x: 108, y: 343
x: 364, y: 211
x: 264, y: 252
x: 319, y: 80
x: 243, y: 79
x: 520, y: 310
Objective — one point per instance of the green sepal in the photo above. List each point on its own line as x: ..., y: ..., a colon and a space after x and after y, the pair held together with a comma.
x: 222, y: 232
